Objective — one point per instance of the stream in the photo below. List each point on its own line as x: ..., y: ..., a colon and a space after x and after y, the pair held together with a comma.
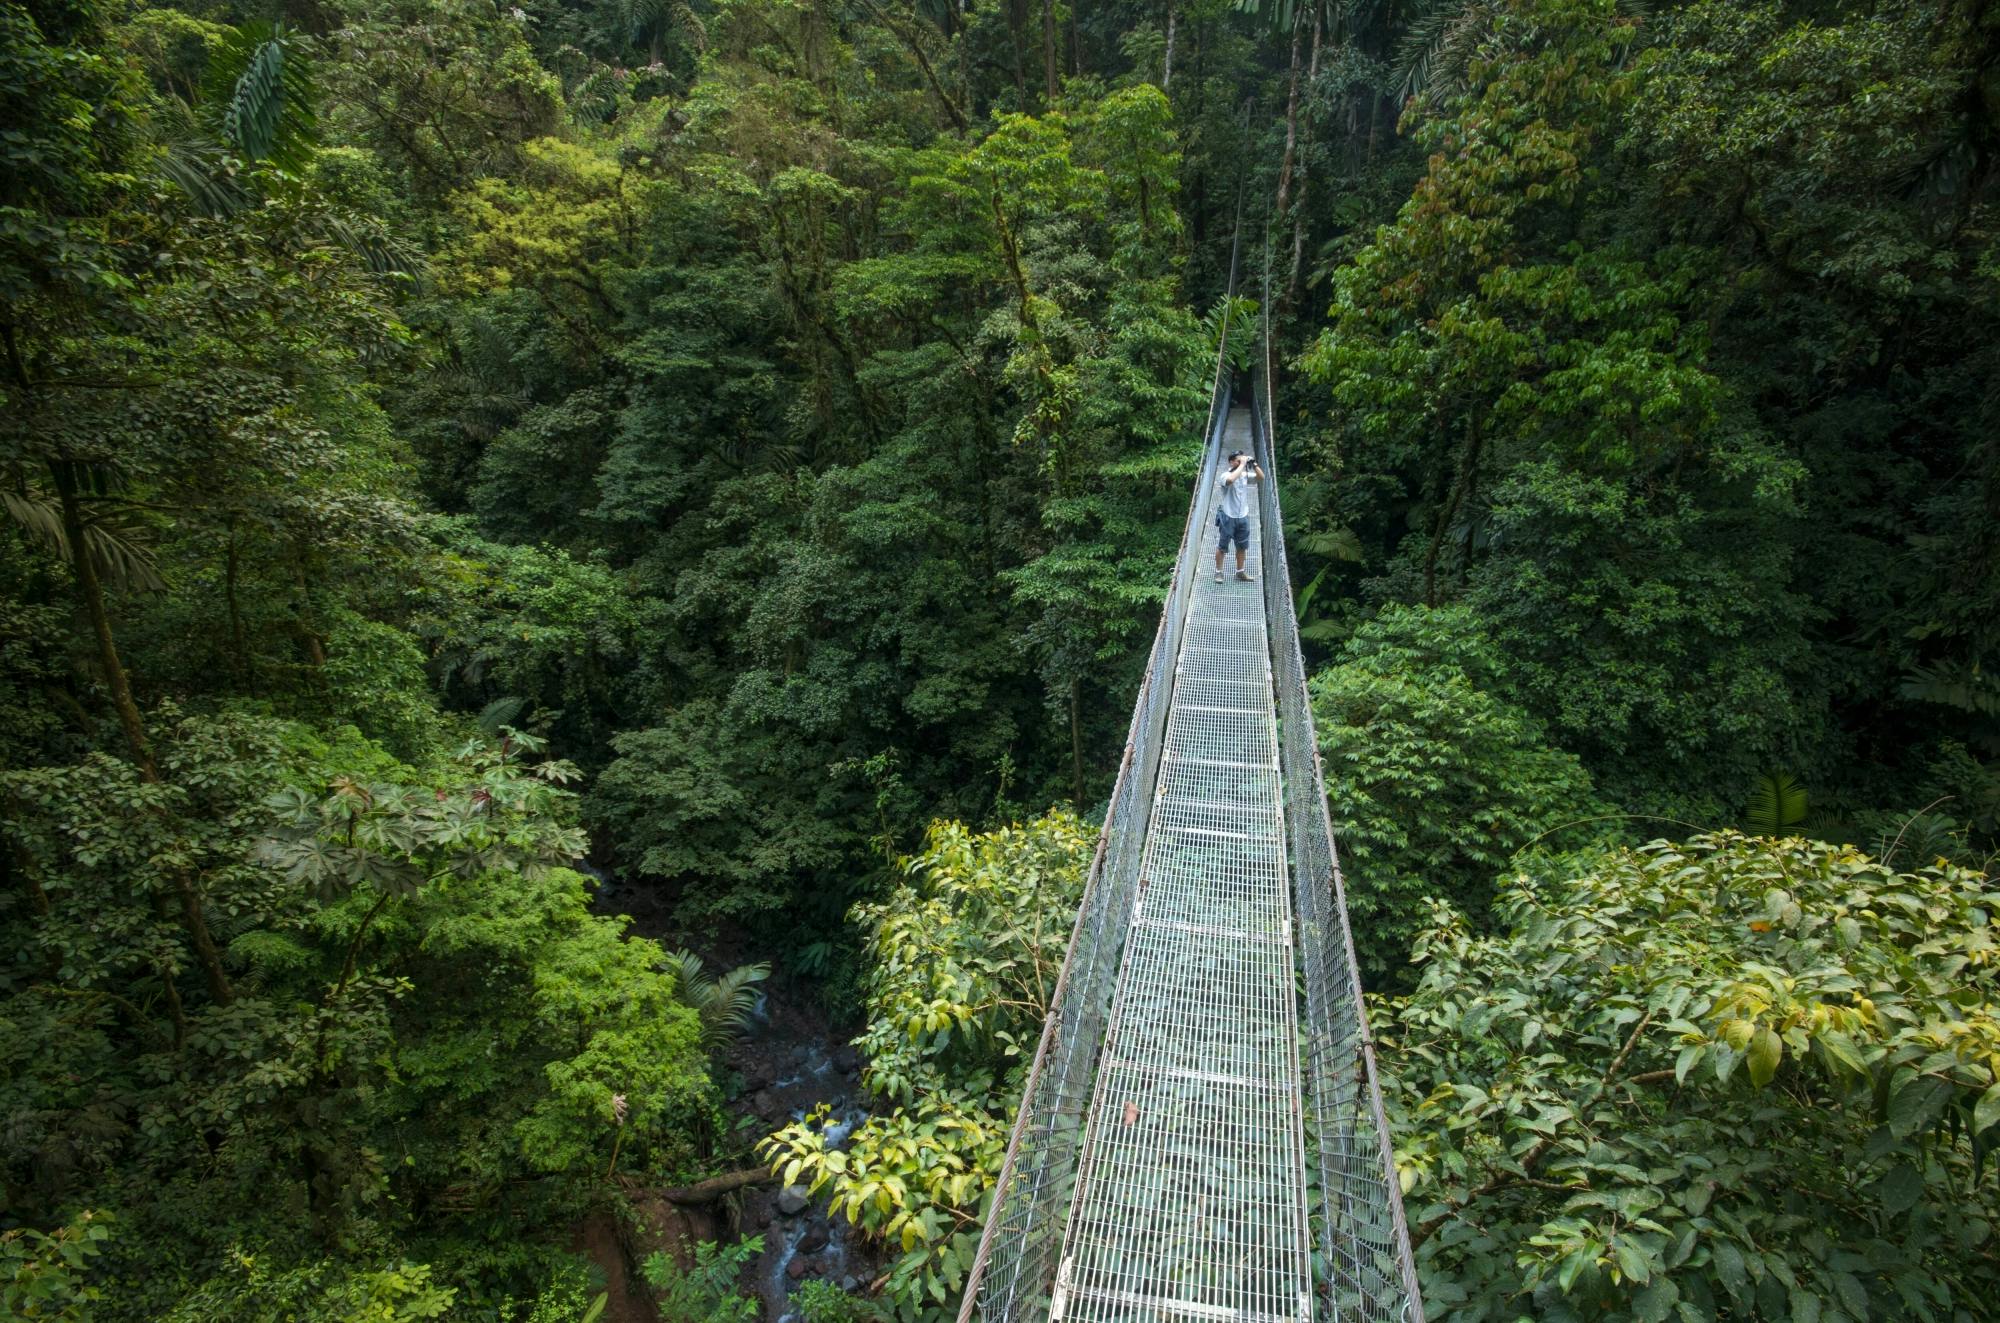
x: 791, y: 1059
x: 800, y: 1240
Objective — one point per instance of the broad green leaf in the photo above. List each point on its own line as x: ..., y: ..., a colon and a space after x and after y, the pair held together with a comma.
x: 1729, y: 1267
x: 1632, y: 1262
x: 1901, y: 1188
x: 1841, y: 1049
x: 1987, y: 1110
x: 1573, y: 1266
x: 1916, y: 1104
x: 1766, y: 1048
x: 1656, y: 1303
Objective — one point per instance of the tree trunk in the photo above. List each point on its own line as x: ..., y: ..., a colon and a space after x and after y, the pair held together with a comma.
x: 90, y: 595
x: 1012, y: 253
x: 716, y: 1186
x: 1076, y: 737
x: 17, y: 861
x: 1299, y: 211
x: 315, y: 645
x: 321, y: 1069
x: 1468, y: 469
x: 1049, y: 50
x: 1291, y: 118
x: 1167, y: 68
x: 1016, y: 10
x: 239, y: 642
x: 916, y: 50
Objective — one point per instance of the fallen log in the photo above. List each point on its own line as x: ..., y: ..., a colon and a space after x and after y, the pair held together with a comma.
x: 716, y: 1186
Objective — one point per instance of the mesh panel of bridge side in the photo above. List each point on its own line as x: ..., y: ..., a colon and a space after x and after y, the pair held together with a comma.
x: 1191, y: 1199
x: 1358, y: 1215
x: 1021, y: 1264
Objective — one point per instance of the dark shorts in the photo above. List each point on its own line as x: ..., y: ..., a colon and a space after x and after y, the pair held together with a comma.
x: 1227, y: 528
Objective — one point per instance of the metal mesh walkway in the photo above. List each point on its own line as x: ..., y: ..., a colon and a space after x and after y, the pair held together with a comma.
x: 1190, y: 1201
x: 1202, y: 1135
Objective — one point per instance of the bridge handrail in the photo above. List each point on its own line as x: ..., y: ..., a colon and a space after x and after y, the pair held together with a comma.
x: 1363, y: 1238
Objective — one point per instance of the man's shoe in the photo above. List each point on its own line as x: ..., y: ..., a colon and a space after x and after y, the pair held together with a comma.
x: 1218, y: 576
x: 1244, y: 575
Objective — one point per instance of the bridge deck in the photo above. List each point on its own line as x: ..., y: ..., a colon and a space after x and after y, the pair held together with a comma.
x: 1191, y: 1199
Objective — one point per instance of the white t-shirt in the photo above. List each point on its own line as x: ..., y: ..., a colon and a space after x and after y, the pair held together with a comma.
x: 1235, y: 500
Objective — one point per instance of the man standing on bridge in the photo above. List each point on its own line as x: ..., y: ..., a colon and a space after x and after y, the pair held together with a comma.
x: 1232, y: 510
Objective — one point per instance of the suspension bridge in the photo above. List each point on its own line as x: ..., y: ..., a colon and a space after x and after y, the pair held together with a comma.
x: 1202, y: 1136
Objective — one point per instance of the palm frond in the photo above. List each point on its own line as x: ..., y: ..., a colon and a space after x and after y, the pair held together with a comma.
x: 1956, y: 684
x: 1335, y: 544
x: 1777, y: 804
x: 1274, y: 16
x: 1920, y: 838
x: 725, y: 1004
x: 120, y: 561
x: 1438, y: 47
x: 201, y: 170
x: 736, y: 996
x: 1236, y: 317
x: 259, y: 96
x: 381, y: 250
x: 500, y: 712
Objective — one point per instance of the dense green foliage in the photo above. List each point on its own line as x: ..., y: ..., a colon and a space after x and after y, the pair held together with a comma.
x: 785, y: 431
x: 1677, y: 369
x: 1434, y: 782
x: 1753, y: 1078
x: 452, y: 451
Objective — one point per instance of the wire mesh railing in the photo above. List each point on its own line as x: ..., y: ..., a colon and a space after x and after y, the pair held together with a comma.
x: 1367, y: 1271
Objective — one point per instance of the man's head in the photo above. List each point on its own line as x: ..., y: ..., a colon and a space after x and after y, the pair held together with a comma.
x: 1237, y: 458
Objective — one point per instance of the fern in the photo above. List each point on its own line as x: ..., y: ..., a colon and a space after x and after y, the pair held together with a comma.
x: 1955, y: 684
x: 500, y: 712
x: 1921, y: 837
x: 1235, y: 317
x: 1777, y: 804
x: 724, y: 1004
